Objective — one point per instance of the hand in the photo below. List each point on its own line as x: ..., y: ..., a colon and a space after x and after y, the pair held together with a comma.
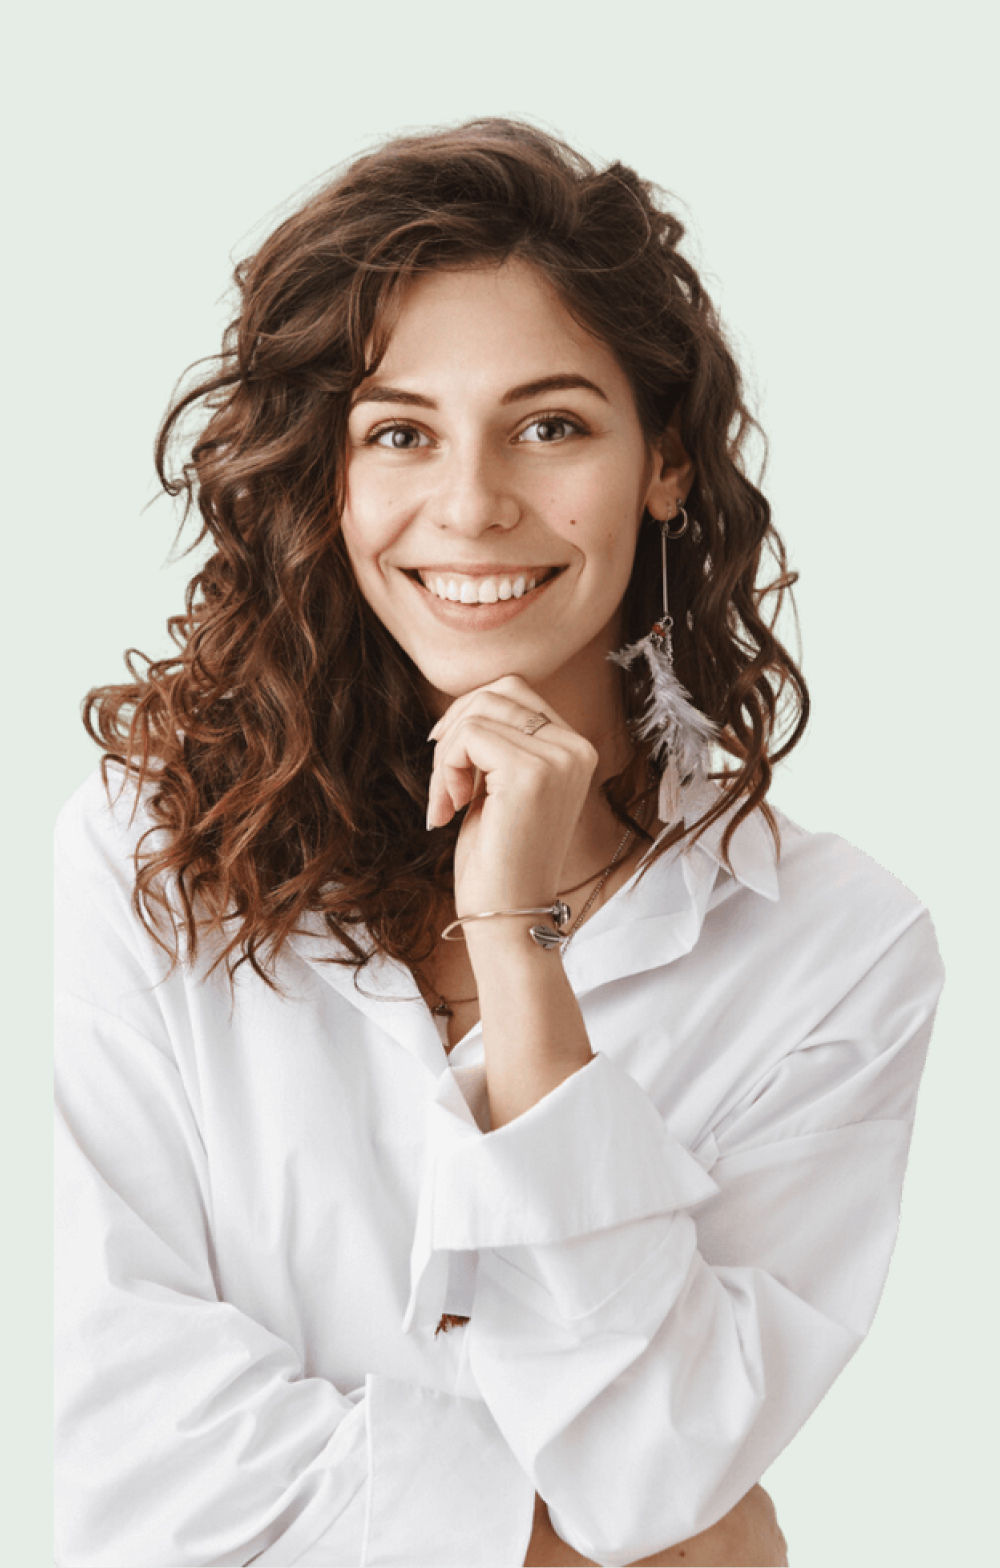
x: 524, y: 794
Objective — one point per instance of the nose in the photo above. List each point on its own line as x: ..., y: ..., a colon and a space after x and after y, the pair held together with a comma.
x: 470, y: 496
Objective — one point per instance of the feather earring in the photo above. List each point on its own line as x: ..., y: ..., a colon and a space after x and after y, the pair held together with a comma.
x: 681, y: 735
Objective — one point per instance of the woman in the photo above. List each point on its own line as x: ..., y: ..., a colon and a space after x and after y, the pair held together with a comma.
x: 483, y: 1116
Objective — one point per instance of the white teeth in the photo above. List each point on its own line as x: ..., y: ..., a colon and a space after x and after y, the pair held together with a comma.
x: 479, y: 590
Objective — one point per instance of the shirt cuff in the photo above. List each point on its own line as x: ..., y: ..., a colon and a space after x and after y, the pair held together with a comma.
x: 444, y: 1487
x: 592, y: 1159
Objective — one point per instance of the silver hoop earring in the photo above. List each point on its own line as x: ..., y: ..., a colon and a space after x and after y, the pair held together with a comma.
x: 681, y: 735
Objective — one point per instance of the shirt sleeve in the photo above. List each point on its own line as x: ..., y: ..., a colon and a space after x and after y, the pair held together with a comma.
x: 649, y: 1334
x: 187, y: 1433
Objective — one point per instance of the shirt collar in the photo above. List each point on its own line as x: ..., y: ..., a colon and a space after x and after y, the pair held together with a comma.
x: 657, y: 916
x: 650, y: 922
x: 752, y: 852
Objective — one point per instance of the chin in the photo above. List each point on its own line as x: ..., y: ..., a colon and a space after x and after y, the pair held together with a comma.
x: 449, y: 681
x: 452, y: 682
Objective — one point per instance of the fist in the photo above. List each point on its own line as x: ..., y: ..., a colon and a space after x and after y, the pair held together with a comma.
x: 523, y: 793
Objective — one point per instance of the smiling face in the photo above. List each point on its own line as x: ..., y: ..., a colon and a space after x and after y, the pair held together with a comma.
x: 498, y: 446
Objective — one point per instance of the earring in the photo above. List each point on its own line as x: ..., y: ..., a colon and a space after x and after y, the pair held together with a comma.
x: 681, y: 735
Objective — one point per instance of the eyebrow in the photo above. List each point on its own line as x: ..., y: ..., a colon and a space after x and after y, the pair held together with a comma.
x: 561, y: 383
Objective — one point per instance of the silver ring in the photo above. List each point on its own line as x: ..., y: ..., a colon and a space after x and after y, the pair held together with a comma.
x: 535, y: 723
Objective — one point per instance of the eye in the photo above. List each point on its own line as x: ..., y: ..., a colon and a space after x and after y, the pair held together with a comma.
x: 399, y: 437
x: 551, y: 429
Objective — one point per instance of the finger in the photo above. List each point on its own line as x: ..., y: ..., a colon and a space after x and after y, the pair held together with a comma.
x: 516, y: 687
x: 493, y: 748
x: 460, y: 750
x: 457, y: 776
x: 478, y: 751
x: 512, y: 687
x: 456, y: 779
x: 485, y: 701
x: 503, y: 710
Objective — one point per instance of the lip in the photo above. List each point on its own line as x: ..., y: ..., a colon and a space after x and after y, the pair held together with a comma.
x: 478, y: 617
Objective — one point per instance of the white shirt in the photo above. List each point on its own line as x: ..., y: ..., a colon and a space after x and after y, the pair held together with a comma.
x: 265, y: 1210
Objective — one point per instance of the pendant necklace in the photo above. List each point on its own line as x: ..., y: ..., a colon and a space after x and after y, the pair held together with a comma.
x: 443, y: 1008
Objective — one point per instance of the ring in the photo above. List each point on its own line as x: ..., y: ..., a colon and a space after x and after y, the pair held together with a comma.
x: 535, y: 723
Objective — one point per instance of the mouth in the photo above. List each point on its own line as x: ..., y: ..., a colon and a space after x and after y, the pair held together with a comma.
x: 492, y: 588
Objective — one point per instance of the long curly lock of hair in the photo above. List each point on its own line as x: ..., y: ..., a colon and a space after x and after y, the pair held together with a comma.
x: 283, y: 748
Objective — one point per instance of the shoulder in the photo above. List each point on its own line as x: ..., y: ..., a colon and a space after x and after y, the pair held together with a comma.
x: 839, y: 978
x: 835, y: 895
x: 96, y: 836
x: 102, y: 822
x: 827, y: 865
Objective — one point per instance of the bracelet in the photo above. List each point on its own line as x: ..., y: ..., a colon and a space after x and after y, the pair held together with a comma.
x: 545, y: 936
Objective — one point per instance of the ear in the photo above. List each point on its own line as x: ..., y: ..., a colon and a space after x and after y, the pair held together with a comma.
x: 672, y: 475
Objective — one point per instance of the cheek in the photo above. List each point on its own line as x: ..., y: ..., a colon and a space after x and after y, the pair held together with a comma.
x: 367, y: 531
x: 353, y: 543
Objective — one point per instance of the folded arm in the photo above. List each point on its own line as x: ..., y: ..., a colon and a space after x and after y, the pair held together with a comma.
x: 649, y: 1336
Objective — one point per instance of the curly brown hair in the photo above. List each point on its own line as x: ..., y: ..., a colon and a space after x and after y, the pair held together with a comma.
x: 284, y: 747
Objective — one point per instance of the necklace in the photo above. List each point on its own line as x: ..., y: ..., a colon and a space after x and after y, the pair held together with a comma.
x: 444, y: 1005
x: 595, y: 895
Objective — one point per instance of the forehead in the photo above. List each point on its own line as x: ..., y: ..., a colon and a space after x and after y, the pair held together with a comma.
x: 491, y: 323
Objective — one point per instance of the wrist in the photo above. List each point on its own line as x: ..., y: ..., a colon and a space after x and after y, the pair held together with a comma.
x: 508, y: 940
x: 534, y: 1035
x: 540, y: 922
x: 511, y: 936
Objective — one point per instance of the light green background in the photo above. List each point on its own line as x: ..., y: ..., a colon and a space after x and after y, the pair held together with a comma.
x: 833, y: 163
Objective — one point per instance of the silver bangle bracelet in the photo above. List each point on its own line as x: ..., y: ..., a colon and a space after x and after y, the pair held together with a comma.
x: 544, y: 936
